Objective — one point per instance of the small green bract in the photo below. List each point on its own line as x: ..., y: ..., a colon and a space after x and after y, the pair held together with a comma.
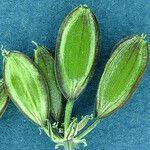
x: 45, y: 89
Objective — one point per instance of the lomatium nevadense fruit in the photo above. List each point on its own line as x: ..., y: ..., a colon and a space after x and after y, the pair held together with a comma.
x: 26, y: 87
x: 76, y: 49
x: 45, y: 62
x: 122, y: 74
x: 33, y: 87
x: 3, y: 98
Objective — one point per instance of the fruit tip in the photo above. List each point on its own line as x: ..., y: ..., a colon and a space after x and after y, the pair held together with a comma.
x: 34, y: 43
x: 143, y: 35
x: 4, y: 51
x: 84, y: 7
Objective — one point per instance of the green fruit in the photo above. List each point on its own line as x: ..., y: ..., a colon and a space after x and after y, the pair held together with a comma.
x: 26, y: 87
x: 76, y: 49
x: 45, y: 62
x: 121, y: 75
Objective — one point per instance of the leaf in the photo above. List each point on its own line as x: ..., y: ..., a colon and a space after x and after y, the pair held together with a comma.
x: 76, y: 49
x: 3, y: 98
x: 121, y: 75
x: 26, y: 87
x: 45, y: 62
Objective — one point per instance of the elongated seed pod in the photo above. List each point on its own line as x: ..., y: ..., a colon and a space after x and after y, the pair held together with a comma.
x: 3, y: 98
x: 26, y: 87
x: 45, y: 62
x: 76, y: 49
x: 121, y: 75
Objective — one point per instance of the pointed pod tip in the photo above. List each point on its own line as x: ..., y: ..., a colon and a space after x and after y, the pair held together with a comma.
x: 143, y: 38
x: 4, y: 51
x: 34, y: 43
x: 143, y: 35
x: 140, y: 38
x: 84, y: 7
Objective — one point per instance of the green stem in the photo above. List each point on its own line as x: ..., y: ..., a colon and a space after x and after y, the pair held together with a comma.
x: 53, y: 137
x: 68, y: 112
x: 69, y: 145
x: 89, y: 129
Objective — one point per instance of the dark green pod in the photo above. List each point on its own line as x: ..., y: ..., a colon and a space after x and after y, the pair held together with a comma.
x: 26, y: 87
x: 76, y: 49
x: 3, y: 98
x: 121, y: 75
x: 45, y: 62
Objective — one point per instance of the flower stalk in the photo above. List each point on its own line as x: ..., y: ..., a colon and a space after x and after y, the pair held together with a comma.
x: 68, y: 112
x: 69, y: 145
